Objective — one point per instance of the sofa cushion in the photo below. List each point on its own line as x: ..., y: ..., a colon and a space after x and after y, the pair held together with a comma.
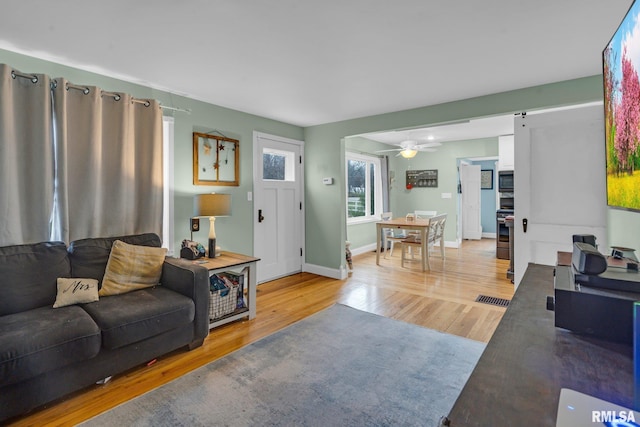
x: 89, y: 257
x: 28, y: 275
x: 128, y: 318
x: 75, y: 291
x: 132, y: 267
x: 40, y: 340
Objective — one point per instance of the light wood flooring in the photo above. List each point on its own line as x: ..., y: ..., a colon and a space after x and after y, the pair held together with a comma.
x: 442, y: 299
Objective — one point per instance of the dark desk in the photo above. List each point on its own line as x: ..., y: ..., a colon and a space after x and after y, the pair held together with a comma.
x: 528, y: 360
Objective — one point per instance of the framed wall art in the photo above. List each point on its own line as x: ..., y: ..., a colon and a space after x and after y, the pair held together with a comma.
x: 486, y: 179
x: 422, y: 178
x: 215, y: 160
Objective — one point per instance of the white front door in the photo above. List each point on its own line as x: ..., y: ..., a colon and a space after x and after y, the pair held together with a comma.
x: 278, y: 206
x: 470, y: 183
x: 559, y: 176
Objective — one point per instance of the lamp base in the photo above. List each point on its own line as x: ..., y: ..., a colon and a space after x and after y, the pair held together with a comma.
x: 212, y: 248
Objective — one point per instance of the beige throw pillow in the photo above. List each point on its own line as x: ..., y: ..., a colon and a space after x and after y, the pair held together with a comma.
x: 131, y: 267
x: 76, y: 291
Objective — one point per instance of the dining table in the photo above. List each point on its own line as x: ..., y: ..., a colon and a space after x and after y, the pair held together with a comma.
x: 420, y: 225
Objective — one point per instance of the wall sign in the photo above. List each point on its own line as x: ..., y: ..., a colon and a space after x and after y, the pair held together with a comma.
x: 423, y: 178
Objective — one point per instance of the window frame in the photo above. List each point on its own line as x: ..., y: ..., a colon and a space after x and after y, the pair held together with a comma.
x: 377, y: 182
x: 168, y: 214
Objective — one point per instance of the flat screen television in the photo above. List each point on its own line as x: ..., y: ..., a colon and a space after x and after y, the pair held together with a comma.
x: 621, y: 68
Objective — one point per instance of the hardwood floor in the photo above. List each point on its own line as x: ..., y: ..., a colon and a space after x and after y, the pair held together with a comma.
x: 442, y: 299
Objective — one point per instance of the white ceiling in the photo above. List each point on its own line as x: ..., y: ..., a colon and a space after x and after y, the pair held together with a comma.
x: 472, y: 129
x: 309, y: 62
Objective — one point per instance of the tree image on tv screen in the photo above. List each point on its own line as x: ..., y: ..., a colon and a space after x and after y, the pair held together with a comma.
x: 621, y: 61
x: 627, y: 117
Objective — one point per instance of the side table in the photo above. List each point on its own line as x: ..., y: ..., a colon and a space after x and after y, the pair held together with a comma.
x: 232, y: 261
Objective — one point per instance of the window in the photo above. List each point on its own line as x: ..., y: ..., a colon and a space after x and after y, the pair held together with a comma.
x: 364, y: 188
x: 278, y: 165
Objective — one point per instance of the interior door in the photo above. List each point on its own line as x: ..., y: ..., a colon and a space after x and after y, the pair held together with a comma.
x: 471, y: 220
x: 278, y: 205
x: 560, y: 182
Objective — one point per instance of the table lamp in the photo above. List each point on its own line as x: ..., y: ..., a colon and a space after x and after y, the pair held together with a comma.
x: 212, y: 205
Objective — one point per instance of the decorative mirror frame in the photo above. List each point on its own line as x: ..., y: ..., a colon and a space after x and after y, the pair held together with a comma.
x: 211, y: 157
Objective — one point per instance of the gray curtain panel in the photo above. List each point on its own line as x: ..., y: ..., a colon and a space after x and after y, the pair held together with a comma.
x: 109, y: 154
x: 26, y: 159
x: 384, y: 173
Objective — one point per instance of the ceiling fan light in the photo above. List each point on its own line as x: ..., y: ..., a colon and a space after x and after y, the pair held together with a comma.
x: 408, y: 153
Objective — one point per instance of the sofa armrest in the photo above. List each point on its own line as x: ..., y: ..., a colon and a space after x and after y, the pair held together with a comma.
x: 192, y: 281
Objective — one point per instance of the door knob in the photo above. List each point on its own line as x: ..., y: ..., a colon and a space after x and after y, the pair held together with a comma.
x: 524, y: 224
x: 260, y: 217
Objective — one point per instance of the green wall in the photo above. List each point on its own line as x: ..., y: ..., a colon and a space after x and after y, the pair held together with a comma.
x: 324, y: 153
x: 402, y: 201
x: 234, y: 233
x: 324, y: 150
x: 623, y: 229
x: 445, y: 160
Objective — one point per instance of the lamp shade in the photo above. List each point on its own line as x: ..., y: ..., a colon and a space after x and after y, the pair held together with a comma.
x: 213, y: 204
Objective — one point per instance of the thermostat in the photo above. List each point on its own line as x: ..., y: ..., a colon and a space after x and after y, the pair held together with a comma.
x: 327, y: 181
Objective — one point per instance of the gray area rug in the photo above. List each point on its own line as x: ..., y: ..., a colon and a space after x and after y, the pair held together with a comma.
x: 339, y: 367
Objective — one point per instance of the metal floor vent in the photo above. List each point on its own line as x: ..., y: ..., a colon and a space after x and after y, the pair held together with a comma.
x: 493, y: 300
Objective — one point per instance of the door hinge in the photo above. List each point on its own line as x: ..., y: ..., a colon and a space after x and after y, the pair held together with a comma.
x: 300, y: 251
x: 300, y: 159
x: 300, y: 205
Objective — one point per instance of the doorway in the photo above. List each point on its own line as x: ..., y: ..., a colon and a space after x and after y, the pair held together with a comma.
x: 278, y: 206
x: 470, y: 201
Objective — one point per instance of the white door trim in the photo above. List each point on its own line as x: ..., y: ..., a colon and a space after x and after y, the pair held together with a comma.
x: 257, y: 157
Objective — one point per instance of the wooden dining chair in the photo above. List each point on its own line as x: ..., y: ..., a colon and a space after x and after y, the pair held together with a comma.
x: 435, y: 233
x: 425, y: 214
x: 437, y: 229
x: 390, y: 235
x: 420, y: 215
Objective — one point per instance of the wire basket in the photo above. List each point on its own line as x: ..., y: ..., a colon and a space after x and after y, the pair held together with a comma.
x: 222, y: 303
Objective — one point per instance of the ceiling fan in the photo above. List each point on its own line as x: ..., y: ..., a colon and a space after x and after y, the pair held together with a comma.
x: 409, y: 148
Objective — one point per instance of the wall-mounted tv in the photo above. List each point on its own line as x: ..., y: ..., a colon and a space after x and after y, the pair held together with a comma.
x: 621, y: 68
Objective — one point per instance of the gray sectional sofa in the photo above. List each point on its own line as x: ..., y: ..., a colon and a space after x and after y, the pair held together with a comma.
x: 47, y: 353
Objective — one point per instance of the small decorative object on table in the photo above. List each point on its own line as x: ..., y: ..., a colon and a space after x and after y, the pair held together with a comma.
x: 191, y: 250
x: 620, y: 252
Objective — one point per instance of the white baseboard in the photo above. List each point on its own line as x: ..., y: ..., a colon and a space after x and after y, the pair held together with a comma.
x: 489, y: 235
x: 333, y: 273
x: 449, y: 244
x: 363, y: 249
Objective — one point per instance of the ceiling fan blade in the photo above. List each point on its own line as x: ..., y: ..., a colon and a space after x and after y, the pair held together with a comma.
x: 393, y: 149
x: 408, y: 144
x: 431, y: 150
x: 429, y: 145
